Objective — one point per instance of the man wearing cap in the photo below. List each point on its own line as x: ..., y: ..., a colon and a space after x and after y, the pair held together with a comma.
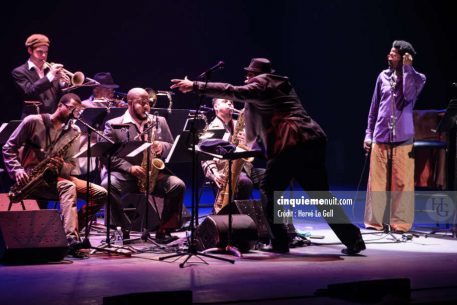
x: 294, y: 144
x: 103, y: 95
x: 38, y: 83
x: 390, y: 125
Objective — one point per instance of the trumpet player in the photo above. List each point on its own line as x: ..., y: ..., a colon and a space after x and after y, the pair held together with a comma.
x: 39, y: 83
x: 103, y: 94
x: 51, y: 138
x: 126, y: 173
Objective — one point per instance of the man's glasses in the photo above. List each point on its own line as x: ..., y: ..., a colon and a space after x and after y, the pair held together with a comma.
x: 75, y: 110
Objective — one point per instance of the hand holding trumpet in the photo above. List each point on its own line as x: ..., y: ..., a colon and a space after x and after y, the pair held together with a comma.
x: 72, y: 79
x: 56, y: 70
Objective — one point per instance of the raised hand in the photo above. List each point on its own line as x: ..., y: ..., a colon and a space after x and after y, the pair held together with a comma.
x: 184, y: 85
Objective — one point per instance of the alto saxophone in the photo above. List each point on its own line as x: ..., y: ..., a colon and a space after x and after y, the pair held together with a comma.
x: 45, y: 172
x: 156, y: 165
x: 222, y: 197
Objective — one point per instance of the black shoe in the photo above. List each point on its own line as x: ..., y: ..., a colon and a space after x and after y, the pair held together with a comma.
x: 75, y: 249
x: 279, y: 246
x: 298, y: 241
x: 165, y: 238
x: 396, y: 231
x: 125, y: 234
x: 359, y: 245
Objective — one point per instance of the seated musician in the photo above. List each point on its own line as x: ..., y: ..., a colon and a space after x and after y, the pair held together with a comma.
x: 127, y: 173
x: 52, y: 139
x: 216, y: 170
x: 103, y: 95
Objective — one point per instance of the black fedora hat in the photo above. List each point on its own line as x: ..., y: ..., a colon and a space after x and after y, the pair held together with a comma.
x: 106, y: 80
x: 259, y: 66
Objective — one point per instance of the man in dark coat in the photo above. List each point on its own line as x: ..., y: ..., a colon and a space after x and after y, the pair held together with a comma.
x: 293, y: 142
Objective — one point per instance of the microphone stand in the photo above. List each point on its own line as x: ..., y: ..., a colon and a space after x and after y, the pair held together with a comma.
x: 86, y: 242
x: 192, y: 249
x: 387, y: 229
x: 146, y: 236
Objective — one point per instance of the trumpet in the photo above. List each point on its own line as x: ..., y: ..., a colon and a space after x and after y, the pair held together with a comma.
x: 75, y: 79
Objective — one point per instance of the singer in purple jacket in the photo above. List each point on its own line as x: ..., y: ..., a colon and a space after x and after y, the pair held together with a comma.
x: 293, y: 142
x: 390, y: 122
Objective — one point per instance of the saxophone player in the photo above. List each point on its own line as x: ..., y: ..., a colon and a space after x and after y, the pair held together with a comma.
x: 127, y: 172
x: 52, y: 138
x: 214, y: 169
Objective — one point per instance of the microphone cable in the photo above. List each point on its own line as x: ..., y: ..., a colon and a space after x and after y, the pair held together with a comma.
x: 367, y: 154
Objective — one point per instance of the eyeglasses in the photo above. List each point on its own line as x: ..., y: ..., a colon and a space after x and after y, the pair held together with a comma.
x: 76, y: 110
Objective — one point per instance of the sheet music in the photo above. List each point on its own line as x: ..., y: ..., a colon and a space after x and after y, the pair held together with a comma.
x: 139, y: 149
x: 167, y: 160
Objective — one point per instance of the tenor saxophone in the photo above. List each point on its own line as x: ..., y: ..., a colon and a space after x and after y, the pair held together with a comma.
x: 156, y: 165
x: 45, y: 172
x: 222, y: 197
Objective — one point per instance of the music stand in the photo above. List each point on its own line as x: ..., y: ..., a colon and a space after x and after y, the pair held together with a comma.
x: 184, y: 150
x: 109, y: 149
x: 92, y: 116
x: 6, y: 129
x: 237, y: 154
x: 112, y: 113
x: 448, y: 125
x: 177, y: 116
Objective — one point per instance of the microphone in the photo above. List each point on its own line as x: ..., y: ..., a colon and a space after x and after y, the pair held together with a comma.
x: 454, y: 85
x: 203, y: 109
x: 69, y: 121
x: 219, y: 65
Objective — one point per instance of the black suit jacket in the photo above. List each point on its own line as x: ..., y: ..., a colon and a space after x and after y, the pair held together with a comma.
x: 123, y: 165
x: 34, y: 88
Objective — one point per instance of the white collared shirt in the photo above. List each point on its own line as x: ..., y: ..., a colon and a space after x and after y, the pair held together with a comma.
x: 39, y: 71
x: 128, y: 119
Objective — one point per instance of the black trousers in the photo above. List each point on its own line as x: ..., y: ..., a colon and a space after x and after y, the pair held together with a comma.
x: 169, y: 187
x: 306, y: 164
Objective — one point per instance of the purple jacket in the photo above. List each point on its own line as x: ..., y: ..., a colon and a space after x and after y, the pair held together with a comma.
x: 405, y: 94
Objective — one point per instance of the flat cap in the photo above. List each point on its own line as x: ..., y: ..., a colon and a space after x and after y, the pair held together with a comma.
x: 36, y: 40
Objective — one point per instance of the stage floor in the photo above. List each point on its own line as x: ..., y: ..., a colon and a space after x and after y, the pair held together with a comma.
x: 256, y: 278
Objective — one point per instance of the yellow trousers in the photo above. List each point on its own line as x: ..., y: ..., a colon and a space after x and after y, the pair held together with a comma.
x: 402, y: 196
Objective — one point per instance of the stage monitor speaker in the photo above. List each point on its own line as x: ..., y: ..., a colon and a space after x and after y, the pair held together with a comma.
x: 182, y: 297
x: 30, y: 205
x: 134, y: 207
x: 373, y: 291
x: 32, y: 236
x: 213, y: 232
x: 252, y: 208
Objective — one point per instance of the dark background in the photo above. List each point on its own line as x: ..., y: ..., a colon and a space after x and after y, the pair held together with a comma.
x: 331, y: 50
